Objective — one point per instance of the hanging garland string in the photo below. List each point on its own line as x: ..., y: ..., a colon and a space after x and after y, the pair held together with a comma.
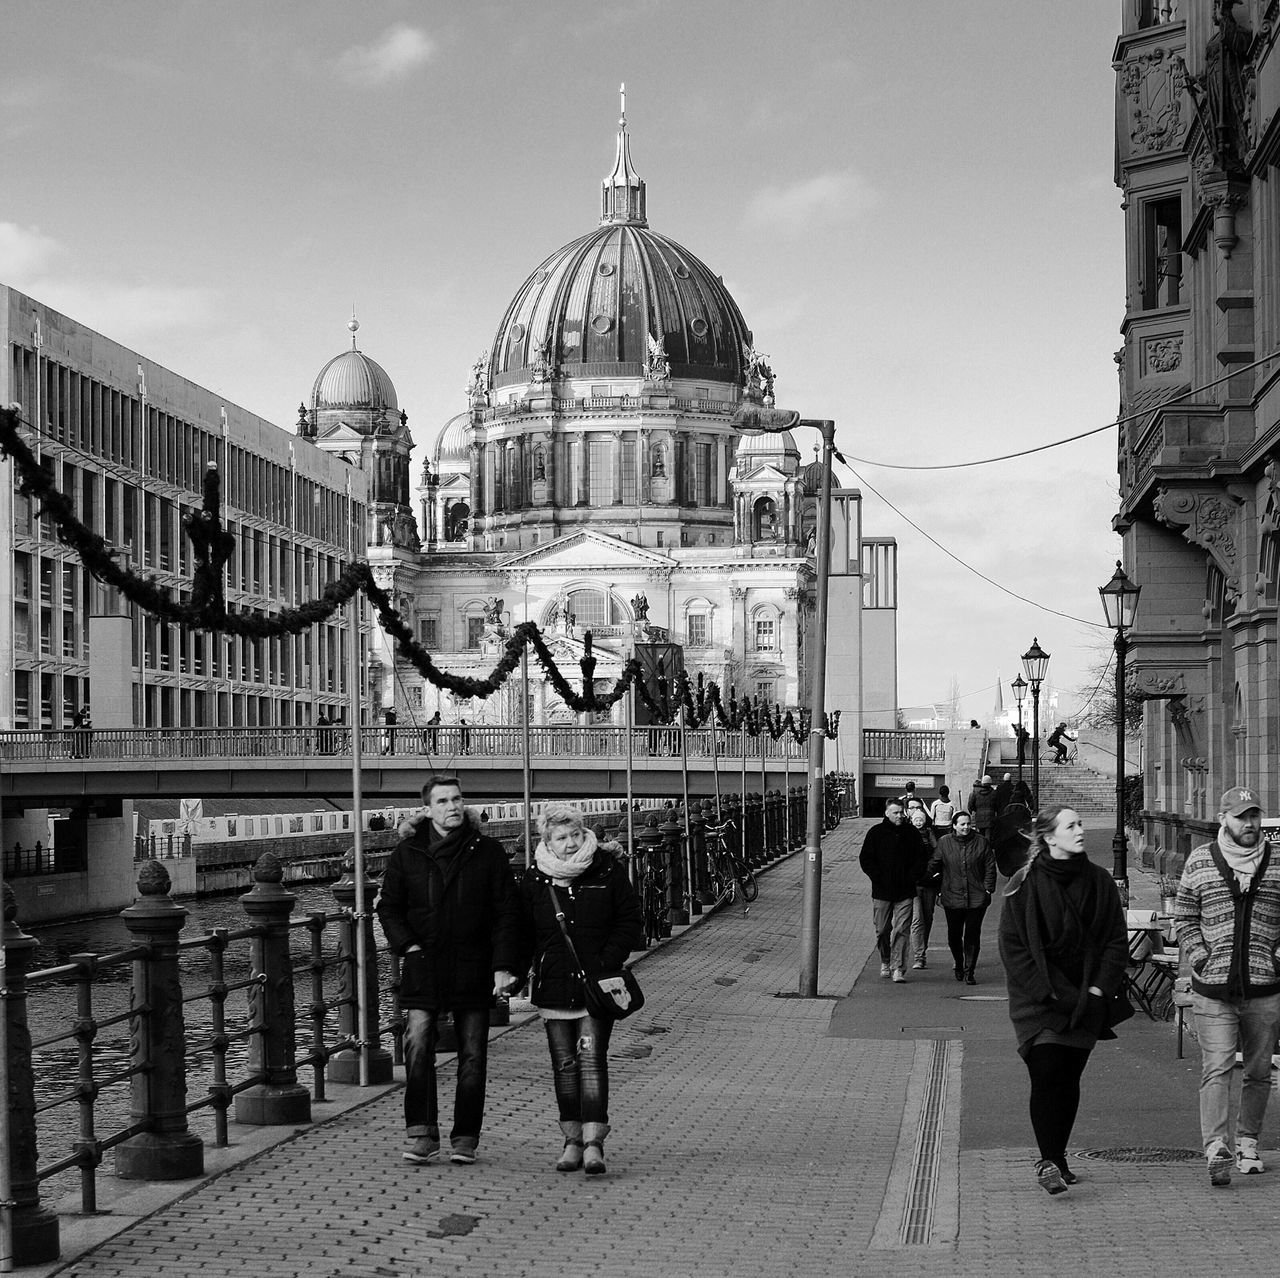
x: 213, y: 544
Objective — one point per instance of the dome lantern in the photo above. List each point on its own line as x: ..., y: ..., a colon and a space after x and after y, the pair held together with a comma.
x: 622, y: 193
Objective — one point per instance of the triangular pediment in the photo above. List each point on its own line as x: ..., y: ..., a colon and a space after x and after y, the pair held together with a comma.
x: 588, y: 550
x: 340, y: 433
x: 765, y: 475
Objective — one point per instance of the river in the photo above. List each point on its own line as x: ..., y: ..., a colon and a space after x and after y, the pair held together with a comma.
x: 51, y: 1010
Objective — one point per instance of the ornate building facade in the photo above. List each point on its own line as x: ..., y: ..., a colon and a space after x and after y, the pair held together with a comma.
x: 597, y: 481
x: 1197, y: 144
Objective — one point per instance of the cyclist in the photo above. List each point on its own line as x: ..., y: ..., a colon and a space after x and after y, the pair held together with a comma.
x: 1058, y: 743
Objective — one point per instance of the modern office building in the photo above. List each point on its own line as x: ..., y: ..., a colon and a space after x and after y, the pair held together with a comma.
x: 129, y: 442
x: 1197, y: 145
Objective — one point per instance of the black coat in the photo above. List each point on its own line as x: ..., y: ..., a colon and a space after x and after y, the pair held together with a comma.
x: 461, y: 908
x: 893, y: 857
x: 603, y: 917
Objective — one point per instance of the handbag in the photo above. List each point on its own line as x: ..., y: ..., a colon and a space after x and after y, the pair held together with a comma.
x: 609, y: 996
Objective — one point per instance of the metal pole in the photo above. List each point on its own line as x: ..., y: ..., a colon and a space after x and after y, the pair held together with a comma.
x: 764, y: 817
x: 811, y: 909
x: 692, y: 904
x: 357, y: 822
x: 1120, y: 842
x: 528, y: 764
x: 1035, y: 742
x: 715, y: 762
x: 6, y: 1209
x: 1022, y: 749
x: 628, y: 718
x: 786, y: 793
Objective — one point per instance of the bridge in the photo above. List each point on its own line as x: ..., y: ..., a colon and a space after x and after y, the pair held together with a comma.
x: 96, y: 769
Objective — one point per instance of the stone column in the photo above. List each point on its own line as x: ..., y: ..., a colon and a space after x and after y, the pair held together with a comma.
x: 279, y: 1098
x: 615, y: 439
x: 345, y: 1066
x: 166, y: 1150
x: 477, y: 481
x: 35, y: 1228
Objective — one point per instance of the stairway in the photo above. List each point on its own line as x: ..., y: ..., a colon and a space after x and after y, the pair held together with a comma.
x: 1091, y: 793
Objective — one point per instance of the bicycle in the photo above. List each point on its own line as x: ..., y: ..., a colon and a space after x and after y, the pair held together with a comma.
x: 1072, y: 755
x: 730, y: 876
x: 651, y: 888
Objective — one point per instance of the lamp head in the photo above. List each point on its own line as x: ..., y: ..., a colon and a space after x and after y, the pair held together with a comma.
x: 1035, y: 664
x: 1119, y: 600
x: 1019, y: 686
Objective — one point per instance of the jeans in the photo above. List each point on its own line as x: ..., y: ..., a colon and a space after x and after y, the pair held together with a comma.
x: 922, y: 920
x: 964, y: 935
x: 580, y: 1068
x: 421, y: 1110
x: 892, y: 922
x: 1055, y: 1095
x: 1249, y: 1026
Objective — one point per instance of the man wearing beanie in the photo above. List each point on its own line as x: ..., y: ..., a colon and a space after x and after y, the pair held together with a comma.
x: 894, y: 858
x: 1227, y: 917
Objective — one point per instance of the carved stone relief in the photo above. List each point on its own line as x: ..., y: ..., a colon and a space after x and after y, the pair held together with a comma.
x: 1208, y: 520
x: 1153, y: 82
x: 1162, y: 354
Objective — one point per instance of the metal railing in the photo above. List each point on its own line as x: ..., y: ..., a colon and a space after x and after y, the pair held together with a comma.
x: 912, y: 745
x: 490, y: 741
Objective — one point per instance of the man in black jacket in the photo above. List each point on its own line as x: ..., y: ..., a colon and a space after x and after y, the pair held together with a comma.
x: 894, y: 858
x: 448, y: 907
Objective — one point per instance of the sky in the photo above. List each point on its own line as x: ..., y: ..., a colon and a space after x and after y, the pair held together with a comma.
x: 912, y: 203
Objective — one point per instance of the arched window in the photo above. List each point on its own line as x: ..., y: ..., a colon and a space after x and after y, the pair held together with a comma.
x: 764, y: 520
x: 457, y: 522
x: 765, y: 635
x: 595, y: 608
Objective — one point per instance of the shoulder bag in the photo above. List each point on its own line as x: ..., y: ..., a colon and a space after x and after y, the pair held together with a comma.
x: 609, y: 996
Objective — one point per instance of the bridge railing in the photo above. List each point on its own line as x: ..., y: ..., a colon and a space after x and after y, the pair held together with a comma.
x: 506, y: 741
x: 906, y: 745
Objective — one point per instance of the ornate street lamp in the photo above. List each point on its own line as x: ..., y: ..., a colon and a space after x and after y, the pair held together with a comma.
x: 753, y: 419
x: 1120, y: 603
x: 1035, y: 665
x: 1019, y: 686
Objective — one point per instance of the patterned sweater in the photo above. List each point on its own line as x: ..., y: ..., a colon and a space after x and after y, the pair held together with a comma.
x: 1231, y: 938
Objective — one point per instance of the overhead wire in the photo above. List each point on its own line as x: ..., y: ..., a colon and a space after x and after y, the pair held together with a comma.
x: 1071, y: 439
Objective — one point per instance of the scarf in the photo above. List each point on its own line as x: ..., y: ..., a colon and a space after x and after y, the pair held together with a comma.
x: 563, y: 871
x: 1243, y: 861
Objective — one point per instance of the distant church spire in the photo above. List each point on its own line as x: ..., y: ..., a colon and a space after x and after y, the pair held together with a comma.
x: 622, y: 197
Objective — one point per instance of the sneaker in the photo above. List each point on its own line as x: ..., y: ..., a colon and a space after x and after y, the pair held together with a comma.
x: 884, y: 969
x: 1069, y: 1177
x: 421, y: 1149
x: 462, y: 1155
x: 1219, y: 1158
x: 1247, y: 1161
x: 918, y: 965
x: 1049, y: 1177
x: 898, y: 977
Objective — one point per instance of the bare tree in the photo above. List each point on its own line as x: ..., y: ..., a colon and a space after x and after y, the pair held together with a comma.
x: 1097, y: 696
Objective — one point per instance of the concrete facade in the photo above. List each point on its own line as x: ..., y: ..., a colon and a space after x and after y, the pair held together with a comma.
x: 1198, y: 136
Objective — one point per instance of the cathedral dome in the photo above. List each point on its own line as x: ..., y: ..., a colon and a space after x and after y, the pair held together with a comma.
x: 593, y: 307
x: 452, y: 447
x: 353, y: 380
x: 764, y: 442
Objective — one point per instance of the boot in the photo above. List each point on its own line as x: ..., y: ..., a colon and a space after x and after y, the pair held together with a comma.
x: 571, y: 1159
x: 970, y: 962
x: 593, y: 1155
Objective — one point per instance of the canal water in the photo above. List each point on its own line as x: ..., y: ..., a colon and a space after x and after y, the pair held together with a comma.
x: 52, y: 1011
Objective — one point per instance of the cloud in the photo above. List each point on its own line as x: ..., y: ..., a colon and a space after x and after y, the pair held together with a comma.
x: 829, y: 197
x: 401, y: 50
x: 24, y: 252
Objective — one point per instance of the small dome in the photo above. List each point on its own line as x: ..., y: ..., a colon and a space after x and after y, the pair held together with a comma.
x: 353, y: 380
x: 453, y: 444
x: 783, y: 442
x: 811, y: 477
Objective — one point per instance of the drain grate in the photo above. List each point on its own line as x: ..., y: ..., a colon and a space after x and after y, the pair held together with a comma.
x: 1141, y: 1154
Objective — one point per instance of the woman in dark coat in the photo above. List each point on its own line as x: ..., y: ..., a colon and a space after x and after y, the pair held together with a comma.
x: 603, y: 918
x: 1064, y: 946
x: 967, y: 867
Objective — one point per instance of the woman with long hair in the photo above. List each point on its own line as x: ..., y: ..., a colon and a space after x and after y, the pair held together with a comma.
x: 965, y: 866
x: 570, y: 875
x: 1064, y: 946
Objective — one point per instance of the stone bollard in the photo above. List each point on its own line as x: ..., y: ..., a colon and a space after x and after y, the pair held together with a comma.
x: 35, y: 1228
x: 345, y: 1066
x: 167, y: 1150
x: 751, y: 830
x: 698, y: 837
x: 279, y: 1098
x: 673, y: 860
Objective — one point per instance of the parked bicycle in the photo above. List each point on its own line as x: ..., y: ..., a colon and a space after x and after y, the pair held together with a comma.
x: 730, y: 876
x: 651, y: 888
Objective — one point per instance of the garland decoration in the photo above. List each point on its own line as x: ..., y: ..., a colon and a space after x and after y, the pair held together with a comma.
x: 213, y: 545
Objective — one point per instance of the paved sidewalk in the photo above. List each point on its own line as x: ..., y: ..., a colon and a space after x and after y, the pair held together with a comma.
x: 878, y: 1129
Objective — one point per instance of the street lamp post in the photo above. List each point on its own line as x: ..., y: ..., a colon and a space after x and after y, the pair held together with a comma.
x: 753, y: 419
x: 1035, y: 665
x: 1120, y: 603
x: 1019, y: 695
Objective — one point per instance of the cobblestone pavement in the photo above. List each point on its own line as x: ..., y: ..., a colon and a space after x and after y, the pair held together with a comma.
x: 753, y: 1134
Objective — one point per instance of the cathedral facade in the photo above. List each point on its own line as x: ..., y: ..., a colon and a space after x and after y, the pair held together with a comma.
x: 597, y: 481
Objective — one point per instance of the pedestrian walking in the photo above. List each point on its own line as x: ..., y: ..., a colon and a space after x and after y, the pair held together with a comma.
x: 908, y: 796
x: 893, y: 857
x: 1023, y: 737
x: 602, y: 916
x: 982, y: 806
x: 1064, y: 947
x: 1227, y: 918
x: 967, y: 865
x: 464, y: 736
x: 431, y: 736
x: 942, y: 812
x: 1004, y: 795
x: 926, y: 897
x: 389, y: 730
x: 449, y: 908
